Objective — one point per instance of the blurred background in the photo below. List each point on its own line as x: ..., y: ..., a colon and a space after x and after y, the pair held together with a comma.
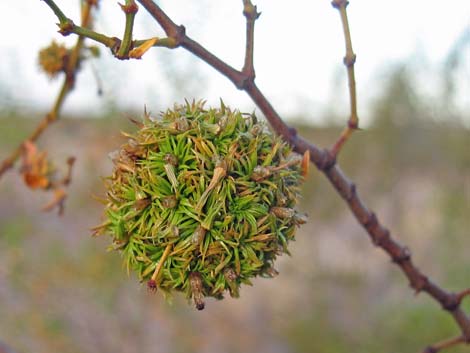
x: 61, y: 291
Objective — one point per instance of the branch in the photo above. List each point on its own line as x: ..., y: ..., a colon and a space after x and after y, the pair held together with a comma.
x: 130, y: 9
x: 121, y: 49
x: 445, y: 344
x: 349, y: 60
x: 58, y: 12
x: 465, y: 293
x: 249, y: 11
x: 178, y: 33
x: 67, y: 85
x: 323, y: 159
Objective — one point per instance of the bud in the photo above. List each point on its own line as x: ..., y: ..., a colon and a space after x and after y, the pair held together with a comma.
x: 283, y: 212
x: 169, y: 201
x: 195, y: 281
x: 198, y: 235
x: 260, y: 173
x: 53, y: 59
x: 231, y: 278
x: 152, y: 285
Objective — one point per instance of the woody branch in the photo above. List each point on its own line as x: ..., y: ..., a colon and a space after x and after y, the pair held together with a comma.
x: 324, y: 160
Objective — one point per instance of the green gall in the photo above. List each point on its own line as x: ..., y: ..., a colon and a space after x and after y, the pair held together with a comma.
x: 202, y: 200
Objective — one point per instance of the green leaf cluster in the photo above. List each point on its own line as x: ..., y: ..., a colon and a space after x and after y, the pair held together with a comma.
x: 201, y: 200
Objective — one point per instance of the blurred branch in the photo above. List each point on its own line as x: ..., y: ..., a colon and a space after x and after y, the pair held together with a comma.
x: 445, y: 344
x: 349, y: 60
x: 323, y: 159
x: 122, y: 49
x: 461, y: 296
x: 67, y: 86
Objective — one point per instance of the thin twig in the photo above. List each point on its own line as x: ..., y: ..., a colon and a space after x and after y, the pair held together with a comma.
x: 130, y: 9
x: 349, y: 60
x: 452, y: 342
x: 251, y: 14
x: 153, y: 282
x: 181, y: 39
x: 121, y: 49
x: 67, y: 85
x: 463, y: 294
x: 58, y: 12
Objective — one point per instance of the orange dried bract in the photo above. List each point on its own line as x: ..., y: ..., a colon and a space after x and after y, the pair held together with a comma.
x: 35, y: 167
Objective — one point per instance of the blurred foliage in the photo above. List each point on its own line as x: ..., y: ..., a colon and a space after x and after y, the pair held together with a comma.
x: 61, y: 291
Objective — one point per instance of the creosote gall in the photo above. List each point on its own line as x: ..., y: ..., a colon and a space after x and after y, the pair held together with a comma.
x: 202, y: 200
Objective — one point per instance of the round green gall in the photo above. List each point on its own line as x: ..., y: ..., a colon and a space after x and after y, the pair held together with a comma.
x: 202, y: 200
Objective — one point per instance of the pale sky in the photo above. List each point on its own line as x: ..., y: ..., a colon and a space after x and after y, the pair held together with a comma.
x: 299, y: 48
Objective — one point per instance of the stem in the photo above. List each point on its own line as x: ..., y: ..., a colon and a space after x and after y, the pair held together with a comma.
x: 444, y: 344
x: 81, y: 31
x: 271, y: 114
x: 121, y: 49
x: 170, y: 28
x: 161, y: 42
x: 181, y: 39
x: 237, y: 78
x: 463, y: 294
x: 130, y: 9
x: 161, y: 262
x: 109, y: 42
x: 58, y: 12
x: 249, y: 11
x: 43, y: 124
x: 349, y: 60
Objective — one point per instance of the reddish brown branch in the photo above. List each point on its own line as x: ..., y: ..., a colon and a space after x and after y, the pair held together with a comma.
x: 444, y: 344
x: 461, y: 296
x: 324, y: 159
x: 349, y: 61
x: 251, y: 14
x: 178, y: 33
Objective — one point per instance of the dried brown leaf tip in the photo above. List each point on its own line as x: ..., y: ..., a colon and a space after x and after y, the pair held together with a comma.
x: 202, y: 200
